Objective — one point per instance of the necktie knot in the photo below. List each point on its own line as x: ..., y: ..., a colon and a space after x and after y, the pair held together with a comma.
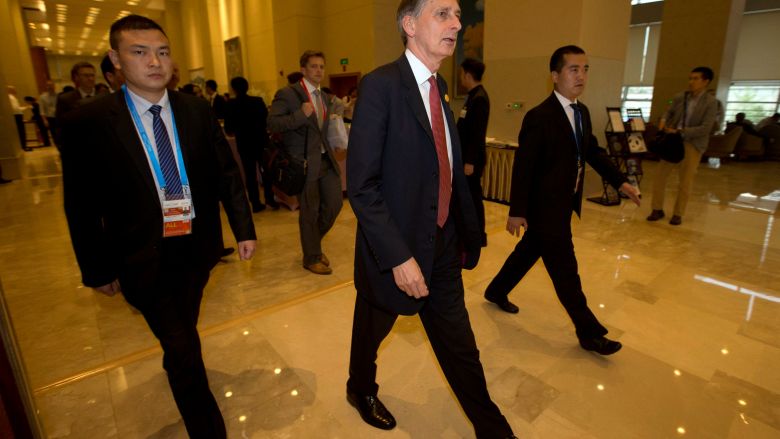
x: 432, y: 81
x: 576, y: 107
x: 155, y: 110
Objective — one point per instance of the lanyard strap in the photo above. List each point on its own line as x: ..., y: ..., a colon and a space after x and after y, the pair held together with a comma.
x: 322, y: 101
x: 150, y: 151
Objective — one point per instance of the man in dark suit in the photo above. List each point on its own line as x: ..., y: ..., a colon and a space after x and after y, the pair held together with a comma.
x: 300, y: 112
x: 144, y: 172
x: 416, y: 220
x: 472, y: 128
x: 555, y: 142
x: 83, y: 76
x: 217, y: 101
x: 245, y: 118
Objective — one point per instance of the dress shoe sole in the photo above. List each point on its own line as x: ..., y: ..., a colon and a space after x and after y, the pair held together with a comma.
x: 507, y: 306
x: 366, y: 419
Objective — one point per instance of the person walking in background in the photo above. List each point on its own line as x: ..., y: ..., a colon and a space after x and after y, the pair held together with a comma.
x: 18, y: 112
x: 245, y: 117
x: 472, y: 129
x: 300, y: 112
x: 415, y: 218
x: 556, y: 141
x: 144, y: 172
x: 48, y: 102
x: 692, y: 114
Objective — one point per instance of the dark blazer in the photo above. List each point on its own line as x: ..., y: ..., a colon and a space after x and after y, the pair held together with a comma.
x: 219, y: 106
x: 473, y: 127
x: 69, y: 101
x: 545, y: 168
x: 245, y: 117
x: 111, y: 200
x: 393, y: 185
x: 287, y: 119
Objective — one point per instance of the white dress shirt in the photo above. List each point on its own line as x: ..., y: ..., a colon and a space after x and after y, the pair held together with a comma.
x: 421, y: 75
x: 566, y: 103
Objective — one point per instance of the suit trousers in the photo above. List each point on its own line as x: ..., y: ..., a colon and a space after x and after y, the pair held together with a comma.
x: 475, y: 188
x: 557, y: 253
x: 446, y: 322
x: 250, y: 157
x: 169, y: 299
x: 321, y: 203
x: 687, y: 171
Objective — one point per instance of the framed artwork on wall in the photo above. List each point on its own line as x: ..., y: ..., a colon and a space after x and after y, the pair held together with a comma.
x: 470, y: 38
x: 235, y: 65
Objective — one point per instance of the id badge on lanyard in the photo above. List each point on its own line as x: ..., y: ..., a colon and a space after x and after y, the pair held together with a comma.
x: 177, y: 213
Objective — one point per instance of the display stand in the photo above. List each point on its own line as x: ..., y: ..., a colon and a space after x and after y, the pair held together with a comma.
x: 625, y: 147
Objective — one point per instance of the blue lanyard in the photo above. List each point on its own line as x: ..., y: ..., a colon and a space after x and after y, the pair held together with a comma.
x: 150, y: 151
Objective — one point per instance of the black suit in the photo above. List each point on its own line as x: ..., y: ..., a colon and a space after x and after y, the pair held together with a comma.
x: 116, y: 224
x: 219, y: 105
x: 245, y: 117
x: 472, y: 128
x: 543, y: 192
x: 393, y: 186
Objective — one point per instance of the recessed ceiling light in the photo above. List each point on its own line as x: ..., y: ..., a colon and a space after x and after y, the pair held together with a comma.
x: 61, y: 52
x: 78, y: 52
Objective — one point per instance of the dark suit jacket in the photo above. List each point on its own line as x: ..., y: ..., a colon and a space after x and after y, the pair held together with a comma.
x: 111, y: 200
x: 473, y: 128
x: 393, y: 185
x: 245, y: 117
x: 219, y: 106
x: 545, y: 168
x: 69, y: 101
x: 287, y: 119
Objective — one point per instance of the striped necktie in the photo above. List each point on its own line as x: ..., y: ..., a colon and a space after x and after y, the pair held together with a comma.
x: 173, y: 189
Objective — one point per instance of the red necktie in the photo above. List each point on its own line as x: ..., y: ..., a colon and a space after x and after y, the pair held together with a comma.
x: 440, y: 138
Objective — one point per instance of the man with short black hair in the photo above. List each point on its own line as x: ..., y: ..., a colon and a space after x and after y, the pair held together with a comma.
x: 555, y: 142
x: 692, y: 115
x: 112, y: 76
x: 216, y: 100
x: 472, y: 129
x: 144, y: 172
x: 416, y: 223
x: 301, y: 112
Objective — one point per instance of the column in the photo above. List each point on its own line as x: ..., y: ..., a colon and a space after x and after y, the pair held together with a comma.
x: 695, y: 33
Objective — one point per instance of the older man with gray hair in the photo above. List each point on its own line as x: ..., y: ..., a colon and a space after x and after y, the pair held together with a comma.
x: 417, y: 227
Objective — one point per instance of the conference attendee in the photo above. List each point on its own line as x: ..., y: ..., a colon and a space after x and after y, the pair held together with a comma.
x: 18, y: 112
x: 350, y: 100
x: 112, y: 76
x: 175, y: 77
x: 245, y: 117
x: 692, y: 115
x: 48, y: 102
x: 144, y: 172
x: 83, y: 76
x: 411, y: 199
x: 555, y: 142
x: 768, y: 121
x: 300, y: 113
x: 294, y: 78
x: 472, y: 129
x: 216, y: 100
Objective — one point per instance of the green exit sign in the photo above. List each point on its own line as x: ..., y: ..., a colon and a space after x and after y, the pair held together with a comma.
x: 344, y: 61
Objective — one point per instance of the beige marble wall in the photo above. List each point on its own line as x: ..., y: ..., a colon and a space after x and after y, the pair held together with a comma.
x: 520, y: 36
x: 695, y: 33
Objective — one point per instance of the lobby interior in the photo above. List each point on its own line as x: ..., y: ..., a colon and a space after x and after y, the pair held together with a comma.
x: 697, y: 306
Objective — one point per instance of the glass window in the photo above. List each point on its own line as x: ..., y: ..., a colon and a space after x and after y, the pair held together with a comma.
x: 756, y: 99
x: 637, y: 96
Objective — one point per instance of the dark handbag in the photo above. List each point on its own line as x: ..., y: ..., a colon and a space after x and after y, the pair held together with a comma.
x: 288, y: 173
x: 669, y: 146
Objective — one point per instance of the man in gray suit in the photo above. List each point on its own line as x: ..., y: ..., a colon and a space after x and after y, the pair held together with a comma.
x: 300, y: 113
x: 692, y: 114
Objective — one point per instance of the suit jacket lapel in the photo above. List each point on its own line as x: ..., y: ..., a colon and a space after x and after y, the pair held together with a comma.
x: 179, y: 112
x: 413, y: 97
x: 563, y: 121
x: 454, y: 140
x: 124, y: 129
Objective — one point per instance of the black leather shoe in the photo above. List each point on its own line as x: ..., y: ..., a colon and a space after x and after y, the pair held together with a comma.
x: 258, y: 207
x: 655, y: 215
x: 372, y: 411
x: 504, y: 304
x: 601, y: 345
x: 227, y: 251
x: 4, y: 181
x: 676, y: 220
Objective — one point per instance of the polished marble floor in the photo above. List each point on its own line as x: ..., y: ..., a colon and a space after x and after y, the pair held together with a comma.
x: 697, y: 308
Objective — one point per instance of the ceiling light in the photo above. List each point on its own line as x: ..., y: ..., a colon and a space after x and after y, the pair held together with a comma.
x: 94, y: 54
x: 81, y: 44
x: 132, y: 3
x: 61, y: 52
x: 45, y: 26
x: 85, y: 33
x: 78, y: 52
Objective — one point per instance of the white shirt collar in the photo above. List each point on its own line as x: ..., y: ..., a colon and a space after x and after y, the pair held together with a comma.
x: 421, y: 73
x: 309, y: 86
x: 564, y: 101
x: 142, y: 105
x: 84, y: 93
